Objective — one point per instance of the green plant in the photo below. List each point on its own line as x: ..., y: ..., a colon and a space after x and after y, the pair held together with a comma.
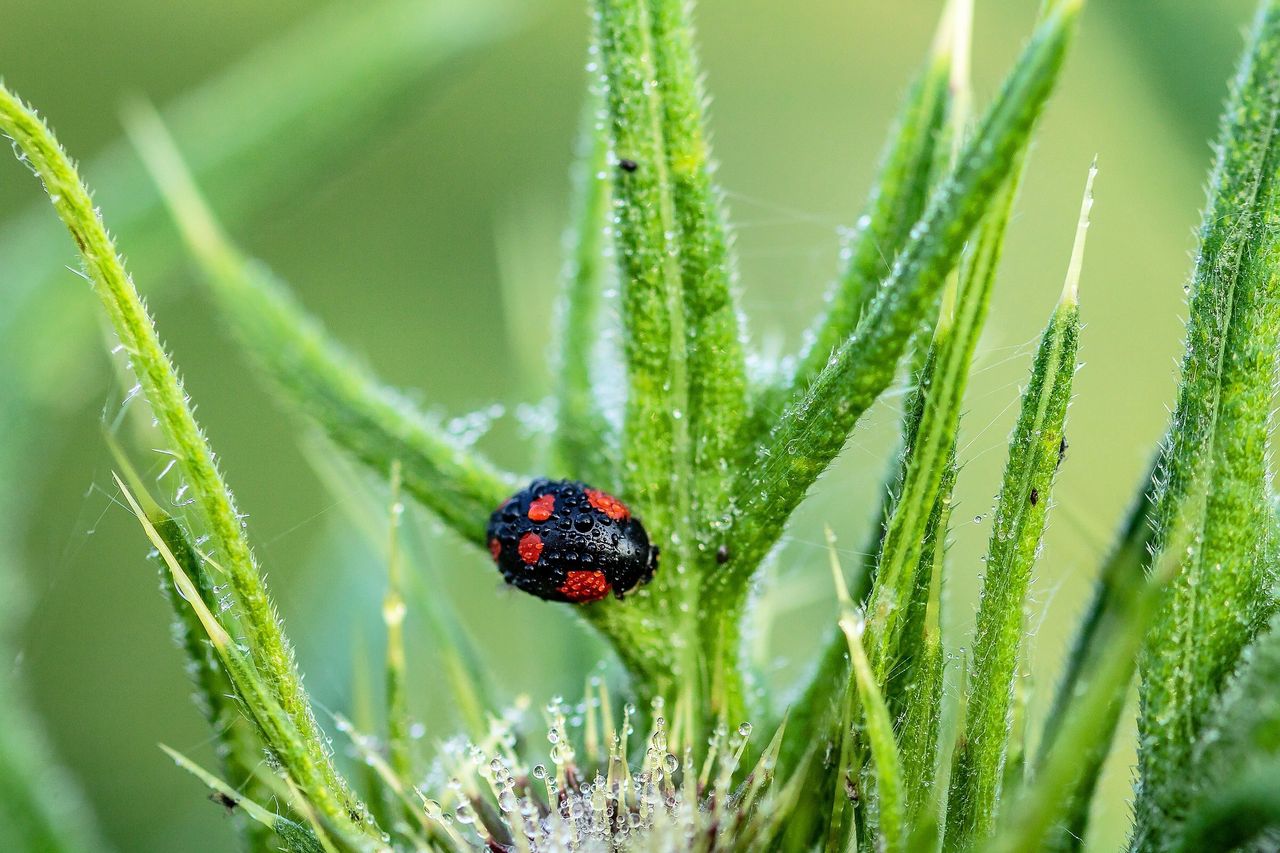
x: 716, y: 463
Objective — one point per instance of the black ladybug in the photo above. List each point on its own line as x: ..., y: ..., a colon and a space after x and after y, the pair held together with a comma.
x: 565, y: 541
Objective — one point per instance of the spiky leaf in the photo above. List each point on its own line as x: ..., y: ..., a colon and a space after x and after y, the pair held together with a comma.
x: 1212, y: 487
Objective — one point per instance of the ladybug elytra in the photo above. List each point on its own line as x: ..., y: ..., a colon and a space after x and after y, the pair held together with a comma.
x: 564, y: 541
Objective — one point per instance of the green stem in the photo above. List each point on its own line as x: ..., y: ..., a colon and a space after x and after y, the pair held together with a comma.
x: 159, y: 381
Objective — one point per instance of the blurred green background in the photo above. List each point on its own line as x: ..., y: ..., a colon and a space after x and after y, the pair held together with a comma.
x: 429, y: 241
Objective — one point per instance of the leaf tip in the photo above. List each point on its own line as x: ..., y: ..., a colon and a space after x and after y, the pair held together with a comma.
x: 837, y: 573
x: 958, y: 22
x: 1071, y: 287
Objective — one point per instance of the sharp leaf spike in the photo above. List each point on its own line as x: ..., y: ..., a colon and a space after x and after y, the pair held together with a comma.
x: 978, y: 765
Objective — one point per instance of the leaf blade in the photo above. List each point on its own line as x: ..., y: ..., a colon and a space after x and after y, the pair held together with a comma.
x: 817, y: 422
x: 716, y: 365
x: 158, y: 378
x: 1035, y: 452
x: 1213, y: 483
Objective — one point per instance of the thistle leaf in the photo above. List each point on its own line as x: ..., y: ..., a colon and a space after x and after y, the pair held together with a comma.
x: 1035, y: 451
x: 275, y: 725
x: 819, y: 417
x: 920, y: 706
x: 159, y: 381
x: 296, y: 838
x: 904, y: 616
x: 911, y: 147
x: 1212, y: 487
x: 238, y: 752
x: 909, y: 169
x: 890, y: 798
x: 685, y: 373
x: 1031, y: 818
x: 716, y: 367
x: 656, y: 441
x: 931, y: 440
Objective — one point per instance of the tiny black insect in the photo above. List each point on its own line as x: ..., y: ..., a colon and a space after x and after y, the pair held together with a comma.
x: 722, y: 554
x: 228, y: 803
x: 628, y: 165
x: 1035, y: 496
x: 565, y: 541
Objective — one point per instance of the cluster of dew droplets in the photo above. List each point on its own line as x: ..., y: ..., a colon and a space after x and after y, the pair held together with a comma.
x: 667, y: 803
x: 467, y: 429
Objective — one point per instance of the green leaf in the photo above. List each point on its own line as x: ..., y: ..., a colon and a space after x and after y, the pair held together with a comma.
x: 920, y: 706
x: 159, y: 382
x: 909, y: 169
x: 890, y: 798
x: 1035, y: 451
x: 904, y: 610
x: 655, y: 440
x: 296, y: 838
x: 911, y: 148
x: 290, y: 746
x: 685, y: 373
x: 1032, y: 817
x: 933, y: 422
x: 1212, y: 487
x: 237, y: 750
x: 716, y: 367
x: 819, y: 417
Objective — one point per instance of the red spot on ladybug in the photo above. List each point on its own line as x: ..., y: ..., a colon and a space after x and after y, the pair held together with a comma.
x: 530, y: 548
x: 608, y: 504
x: 541, y: 508
x: 495, y: 548
x: 581, y: 587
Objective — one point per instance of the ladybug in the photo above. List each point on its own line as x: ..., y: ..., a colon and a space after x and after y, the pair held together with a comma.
x: 564, y: 541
